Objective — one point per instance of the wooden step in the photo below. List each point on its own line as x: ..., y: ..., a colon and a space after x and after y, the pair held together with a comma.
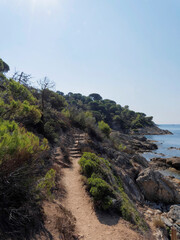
x: 74, y: 149
x: 74, y: 153
x: 62, y: 163
x: 76, y: 156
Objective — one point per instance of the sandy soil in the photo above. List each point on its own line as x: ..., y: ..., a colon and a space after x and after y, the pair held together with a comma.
x: 90, y: 224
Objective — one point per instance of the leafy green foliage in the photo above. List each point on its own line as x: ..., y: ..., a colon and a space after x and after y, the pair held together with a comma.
x: 47, y: 183
x: 22, y: 112
x: 104, y: 127
x: 24, y: 156
x: 21, y: 215
x: 22, y: 152
x: 91, y: 163
x: 20, y: 92
x: 3, y: 66
x: 18, y: 145
x: 95, y: 96
x: 127, y: 208
x: 105, y: 187
x: 56, y: 100
x: 116, y: 116
x: 100, y: 189
x: 121, y: 147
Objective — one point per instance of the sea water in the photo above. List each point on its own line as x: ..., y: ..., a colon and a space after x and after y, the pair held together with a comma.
x: 164, y: 143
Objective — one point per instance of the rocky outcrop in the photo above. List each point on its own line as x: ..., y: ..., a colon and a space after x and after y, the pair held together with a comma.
x: 134, y: 143
x: 142, y: 146
x: 174, y: 213
x: 167, y: 162
x: 172, y: 219
x: 174, y: 162
x: 173, y: 148
x: 153, y: 130
x: 157, y: 187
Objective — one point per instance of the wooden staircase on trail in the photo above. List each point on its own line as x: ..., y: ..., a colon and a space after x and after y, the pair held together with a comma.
x: 74, y: 151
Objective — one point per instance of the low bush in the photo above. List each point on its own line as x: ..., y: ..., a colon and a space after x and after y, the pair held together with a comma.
x: 101, y: 191
x: 22, y: 112
x: 46, y: 183
x: 20, y: 92
x: 104, y: 127
x: 106, y: 187
x: 21, y: 216
x: 53, y: 124
x: 17, y: 145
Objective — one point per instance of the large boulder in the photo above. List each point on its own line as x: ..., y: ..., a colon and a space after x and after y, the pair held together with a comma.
x: 174, y: 213
x: 158, y: 188
x: 174, y: 162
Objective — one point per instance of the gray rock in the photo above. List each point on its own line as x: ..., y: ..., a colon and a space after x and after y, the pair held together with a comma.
x: 174, y: 212
x: 174, y: 162
x: 166, y: 221
x: 157, y: 187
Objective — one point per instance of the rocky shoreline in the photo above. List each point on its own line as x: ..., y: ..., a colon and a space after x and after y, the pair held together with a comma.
x: 166, y: 163
x: 161, y: 192
x: 153, y: 130
x: 155, y: 195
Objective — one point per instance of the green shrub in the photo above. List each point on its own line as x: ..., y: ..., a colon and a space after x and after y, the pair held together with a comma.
x: 66, y: 112
x: 30, y: 112
x: 2, y: 106
x: 3, y: 66
x: 57, y: 101
x: 46, y: 184
x: 54, y: 123
x: 101, y: 192
x: 99, y: 188
x: 121, y: 147
x: 17, y: 144
x: 128, y: 210
x: 89, y: 163
x: 104, y: 127
x: 20, y: 92
x: 104, y: 186
x: 50, y: 130
x: 97, y: 171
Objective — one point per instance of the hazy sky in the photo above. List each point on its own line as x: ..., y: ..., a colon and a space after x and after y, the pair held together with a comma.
x: 125, y: 50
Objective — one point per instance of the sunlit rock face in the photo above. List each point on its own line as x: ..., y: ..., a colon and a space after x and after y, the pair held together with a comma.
x: 157, y: 187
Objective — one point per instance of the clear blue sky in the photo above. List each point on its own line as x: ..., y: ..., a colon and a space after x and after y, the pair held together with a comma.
x: 125, y: 50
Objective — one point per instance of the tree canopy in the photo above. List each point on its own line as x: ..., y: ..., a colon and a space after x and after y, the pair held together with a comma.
x: 3, y: 66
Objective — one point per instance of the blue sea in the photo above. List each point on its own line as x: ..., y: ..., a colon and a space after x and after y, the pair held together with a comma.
x: 164, y: 142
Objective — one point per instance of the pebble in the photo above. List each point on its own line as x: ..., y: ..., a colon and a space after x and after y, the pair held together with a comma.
x: 149, y: 212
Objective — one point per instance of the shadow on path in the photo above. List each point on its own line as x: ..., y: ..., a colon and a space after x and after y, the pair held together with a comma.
x: 107, y: 218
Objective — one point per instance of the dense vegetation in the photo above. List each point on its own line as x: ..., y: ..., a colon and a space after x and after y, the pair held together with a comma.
x: 31, y: 123
x: 106, y: 188
x: 118, y: 117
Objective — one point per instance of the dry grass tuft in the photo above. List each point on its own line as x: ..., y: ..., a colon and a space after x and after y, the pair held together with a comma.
x: 158, y: 223
x: 65, y: 224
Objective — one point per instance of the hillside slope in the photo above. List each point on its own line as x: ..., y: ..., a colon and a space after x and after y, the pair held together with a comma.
x: 38, y: 129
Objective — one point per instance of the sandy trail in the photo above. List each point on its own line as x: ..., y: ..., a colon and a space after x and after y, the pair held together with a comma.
x: 90, y: 225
